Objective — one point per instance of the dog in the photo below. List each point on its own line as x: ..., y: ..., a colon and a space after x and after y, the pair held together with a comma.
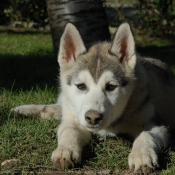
x: 108, y: 89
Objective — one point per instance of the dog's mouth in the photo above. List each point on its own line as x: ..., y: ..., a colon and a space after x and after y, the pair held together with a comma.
x: 93, y: 128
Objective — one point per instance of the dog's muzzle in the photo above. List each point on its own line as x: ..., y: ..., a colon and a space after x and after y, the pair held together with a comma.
x: 93, y: 117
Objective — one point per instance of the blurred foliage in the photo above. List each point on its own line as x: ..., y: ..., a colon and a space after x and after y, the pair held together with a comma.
x: 25, y: 11
x: 157, y: 16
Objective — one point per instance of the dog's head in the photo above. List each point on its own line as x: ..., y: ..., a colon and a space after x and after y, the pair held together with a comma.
x: 96, y: 83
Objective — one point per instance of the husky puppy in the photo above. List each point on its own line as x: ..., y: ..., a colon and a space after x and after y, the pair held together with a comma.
x: 107, y: 89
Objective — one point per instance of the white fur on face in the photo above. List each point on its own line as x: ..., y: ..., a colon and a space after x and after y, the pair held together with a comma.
x: 95, y: 97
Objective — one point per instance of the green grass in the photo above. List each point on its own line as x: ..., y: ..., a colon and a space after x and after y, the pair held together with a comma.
x: 28, y: 74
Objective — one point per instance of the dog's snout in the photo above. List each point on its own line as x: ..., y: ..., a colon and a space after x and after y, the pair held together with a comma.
x: 93, y: 117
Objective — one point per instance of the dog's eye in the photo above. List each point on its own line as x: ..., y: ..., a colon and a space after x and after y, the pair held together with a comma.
x: 81, y: 86
x: 110, y: 87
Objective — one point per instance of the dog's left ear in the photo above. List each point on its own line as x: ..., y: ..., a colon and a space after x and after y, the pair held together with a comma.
x: 71, y: 46
x: 123, y: 46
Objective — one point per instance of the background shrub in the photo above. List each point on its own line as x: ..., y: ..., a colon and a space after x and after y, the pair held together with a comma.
x: 157, y: 16
x: 25, y: 11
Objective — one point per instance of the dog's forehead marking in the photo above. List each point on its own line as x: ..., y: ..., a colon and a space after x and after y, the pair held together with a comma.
x: 97, y: 60
x: 86, y: 76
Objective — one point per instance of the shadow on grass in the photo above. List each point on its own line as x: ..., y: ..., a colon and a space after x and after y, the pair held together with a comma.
x: 165, y: 156
x: 25, y: 72
x: 28, y: 71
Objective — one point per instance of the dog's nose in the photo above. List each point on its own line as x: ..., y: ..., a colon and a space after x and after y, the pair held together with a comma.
x: 93, y: 117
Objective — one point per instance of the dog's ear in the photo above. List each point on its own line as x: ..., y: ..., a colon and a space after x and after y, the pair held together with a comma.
x: 71, y: 46
x: 123, y: 46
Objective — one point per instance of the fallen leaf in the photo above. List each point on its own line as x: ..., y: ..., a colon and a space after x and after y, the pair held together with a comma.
x: 104, y: 172
x: 10, y: 162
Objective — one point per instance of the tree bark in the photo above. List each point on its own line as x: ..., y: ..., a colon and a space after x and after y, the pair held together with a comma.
x: 87, y: 15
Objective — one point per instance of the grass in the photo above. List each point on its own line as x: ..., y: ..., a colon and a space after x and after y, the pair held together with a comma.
x: 28, y: 74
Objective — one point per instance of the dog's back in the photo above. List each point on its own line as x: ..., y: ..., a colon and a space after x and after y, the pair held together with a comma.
x: 161, y: 84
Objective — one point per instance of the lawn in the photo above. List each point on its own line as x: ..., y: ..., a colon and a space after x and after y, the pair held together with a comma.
x: 29, y: 74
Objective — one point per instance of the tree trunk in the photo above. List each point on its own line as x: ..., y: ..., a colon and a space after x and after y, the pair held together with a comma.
x: 87, y: 15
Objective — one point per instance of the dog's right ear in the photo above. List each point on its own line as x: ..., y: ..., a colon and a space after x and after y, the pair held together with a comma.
x: 71, y: 46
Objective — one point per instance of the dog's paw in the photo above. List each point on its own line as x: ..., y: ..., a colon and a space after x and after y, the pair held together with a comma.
x: 66, y: 157
x: 143, y: 161
x: 49, y: 112
x: 26, y: 110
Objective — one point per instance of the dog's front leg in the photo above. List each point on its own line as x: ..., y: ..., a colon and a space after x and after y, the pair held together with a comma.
x: 41, y: 111
x: 71, y: 139
x: 143, y: 157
